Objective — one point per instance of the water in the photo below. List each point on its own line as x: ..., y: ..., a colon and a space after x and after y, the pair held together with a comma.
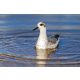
x: 17, y: 43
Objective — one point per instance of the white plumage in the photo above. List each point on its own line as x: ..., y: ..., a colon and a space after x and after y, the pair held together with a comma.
x: 43, y: 41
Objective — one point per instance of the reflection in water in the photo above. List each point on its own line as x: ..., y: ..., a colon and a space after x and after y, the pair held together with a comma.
x: 17, y: 50
x: 42, y: 56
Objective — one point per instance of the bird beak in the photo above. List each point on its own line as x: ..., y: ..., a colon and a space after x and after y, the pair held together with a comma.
x: 35, y: 28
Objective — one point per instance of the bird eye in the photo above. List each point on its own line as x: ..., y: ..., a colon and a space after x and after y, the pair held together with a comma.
x: 41, y: 24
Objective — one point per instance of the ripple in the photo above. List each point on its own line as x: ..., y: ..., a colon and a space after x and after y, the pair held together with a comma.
x: 19, y: 50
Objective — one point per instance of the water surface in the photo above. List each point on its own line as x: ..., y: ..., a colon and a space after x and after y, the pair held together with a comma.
x: 17, y: 40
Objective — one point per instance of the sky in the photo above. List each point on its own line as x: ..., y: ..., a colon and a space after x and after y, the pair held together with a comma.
x: 26, y: 21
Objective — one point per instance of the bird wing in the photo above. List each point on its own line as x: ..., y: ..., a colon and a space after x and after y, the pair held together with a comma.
x: 52, y: 40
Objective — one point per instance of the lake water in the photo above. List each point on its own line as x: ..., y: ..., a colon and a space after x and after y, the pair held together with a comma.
x: 17, y: 41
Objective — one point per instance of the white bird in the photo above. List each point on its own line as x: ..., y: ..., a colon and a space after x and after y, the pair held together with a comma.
x: 43, y: 41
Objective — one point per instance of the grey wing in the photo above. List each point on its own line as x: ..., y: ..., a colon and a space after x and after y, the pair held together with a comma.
x: 52, y: 39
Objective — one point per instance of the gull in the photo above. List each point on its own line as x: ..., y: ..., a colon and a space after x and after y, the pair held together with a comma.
x: 43, y: 41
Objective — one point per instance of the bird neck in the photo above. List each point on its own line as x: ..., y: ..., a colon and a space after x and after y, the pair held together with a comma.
x: 42, y: 40
x: 43, y: 34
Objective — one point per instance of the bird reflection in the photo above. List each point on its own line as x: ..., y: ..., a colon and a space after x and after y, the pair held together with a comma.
x: 43, y: 56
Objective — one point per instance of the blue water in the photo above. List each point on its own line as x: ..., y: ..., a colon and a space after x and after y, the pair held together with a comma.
x: 17, y: 40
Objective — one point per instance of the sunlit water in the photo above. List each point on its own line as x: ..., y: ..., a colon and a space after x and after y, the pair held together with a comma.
x: 17, y: 49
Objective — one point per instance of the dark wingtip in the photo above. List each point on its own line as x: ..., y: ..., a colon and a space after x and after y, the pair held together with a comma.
x: 56, y: 36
